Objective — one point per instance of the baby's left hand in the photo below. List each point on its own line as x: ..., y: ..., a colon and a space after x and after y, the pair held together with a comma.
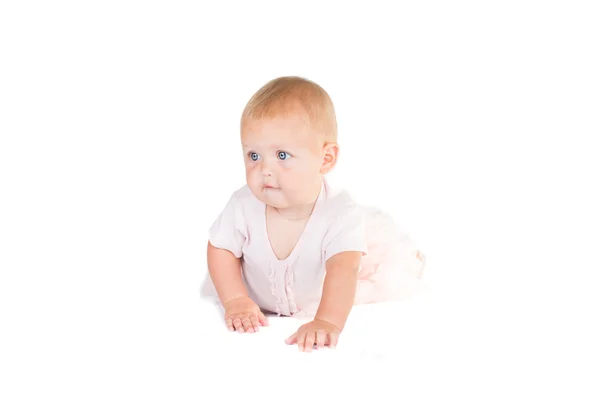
x: 317, y: 332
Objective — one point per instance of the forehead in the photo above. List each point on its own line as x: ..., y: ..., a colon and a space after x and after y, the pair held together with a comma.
x: 281, y: 131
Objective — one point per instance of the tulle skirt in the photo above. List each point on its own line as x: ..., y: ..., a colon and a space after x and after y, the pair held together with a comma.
x: 393, y: 267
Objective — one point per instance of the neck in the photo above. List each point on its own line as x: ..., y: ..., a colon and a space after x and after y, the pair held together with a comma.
x: 299, y: 212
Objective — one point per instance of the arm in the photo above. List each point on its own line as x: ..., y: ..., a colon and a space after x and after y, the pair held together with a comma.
x: 339, y: 288
x: 226, y: 273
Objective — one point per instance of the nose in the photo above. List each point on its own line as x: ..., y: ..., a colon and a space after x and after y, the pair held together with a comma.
x: 265, y: 169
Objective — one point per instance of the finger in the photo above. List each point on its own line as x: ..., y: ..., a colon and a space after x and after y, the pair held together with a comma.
x: 333, y: 339
x: 321, y: 339
x: 247, y: 324
x: 237, y: 323
x: 309, y: 341
x: 229, y: 323
x: 263, y: 320
x: 301, y: 339
x: 255, y: 323
x: 292, y: 339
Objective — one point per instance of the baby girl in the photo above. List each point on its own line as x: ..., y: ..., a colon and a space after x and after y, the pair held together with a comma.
x: 287, y: 242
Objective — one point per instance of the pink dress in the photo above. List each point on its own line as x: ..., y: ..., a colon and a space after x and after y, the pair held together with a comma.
x: 390, y: 267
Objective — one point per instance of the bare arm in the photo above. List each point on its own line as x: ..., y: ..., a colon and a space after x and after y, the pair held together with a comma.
x: 339, y: 288
x: 226, y: 273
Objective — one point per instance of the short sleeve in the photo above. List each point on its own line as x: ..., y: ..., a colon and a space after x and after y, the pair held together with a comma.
x: 227, y: 231
x: 346, y: 232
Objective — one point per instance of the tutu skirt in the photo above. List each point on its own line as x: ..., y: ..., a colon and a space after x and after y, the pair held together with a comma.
x: 393, y: 266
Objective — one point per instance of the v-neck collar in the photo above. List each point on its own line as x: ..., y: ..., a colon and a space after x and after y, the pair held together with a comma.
x: 294, y: 254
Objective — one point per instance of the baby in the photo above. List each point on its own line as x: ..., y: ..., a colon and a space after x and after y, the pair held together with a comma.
x: 287, y: 242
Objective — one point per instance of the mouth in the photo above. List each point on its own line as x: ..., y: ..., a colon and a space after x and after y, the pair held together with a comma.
x: 269, y: 187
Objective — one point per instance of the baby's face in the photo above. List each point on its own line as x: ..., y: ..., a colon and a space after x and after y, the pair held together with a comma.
x: 283, y: 158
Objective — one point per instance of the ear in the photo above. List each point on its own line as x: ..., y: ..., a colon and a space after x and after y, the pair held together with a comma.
x: 330, y: 155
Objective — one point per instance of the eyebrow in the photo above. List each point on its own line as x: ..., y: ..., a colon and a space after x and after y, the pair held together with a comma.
x: 270, y: 147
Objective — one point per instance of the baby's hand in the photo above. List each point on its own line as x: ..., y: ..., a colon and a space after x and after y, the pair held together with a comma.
x: 316, y: 332
x: 243, y: 315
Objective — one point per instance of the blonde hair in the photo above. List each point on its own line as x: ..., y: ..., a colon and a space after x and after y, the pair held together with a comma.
x: 283, y: 96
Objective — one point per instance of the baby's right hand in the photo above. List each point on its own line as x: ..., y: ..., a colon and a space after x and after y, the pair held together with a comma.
x: 243, y: 315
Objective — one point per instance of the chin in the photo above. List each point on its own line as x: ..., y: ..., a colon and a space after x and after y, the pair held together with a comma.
x: 274, y: 199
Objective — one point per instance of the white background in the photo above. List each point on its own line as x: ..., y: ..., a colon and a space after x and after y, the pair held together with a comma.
x: 475, y: 124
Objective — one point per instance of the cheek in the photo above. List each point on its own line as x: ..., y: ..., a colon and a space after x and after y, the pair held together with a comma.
x: 251, y: 167
x: 287, y: 167
x: 304, y: 167
x: 296, y: 177
x: 290, y: 171
x: 251, y: 171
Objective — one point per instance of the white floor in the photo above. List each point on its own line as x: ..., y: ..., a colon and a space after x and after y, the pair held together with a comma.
x: 152, y: 337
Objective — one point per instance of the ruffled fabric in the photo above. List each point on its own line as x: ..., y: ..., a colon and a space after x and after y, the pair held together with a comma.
x: 393, y: 266
x: 278, y: 300
x: 289, y: 282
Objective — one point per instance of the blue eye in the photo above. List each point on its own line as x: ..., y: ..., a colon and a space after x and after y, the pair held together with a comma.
x: 253, y: 156
x: 282, y: 155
